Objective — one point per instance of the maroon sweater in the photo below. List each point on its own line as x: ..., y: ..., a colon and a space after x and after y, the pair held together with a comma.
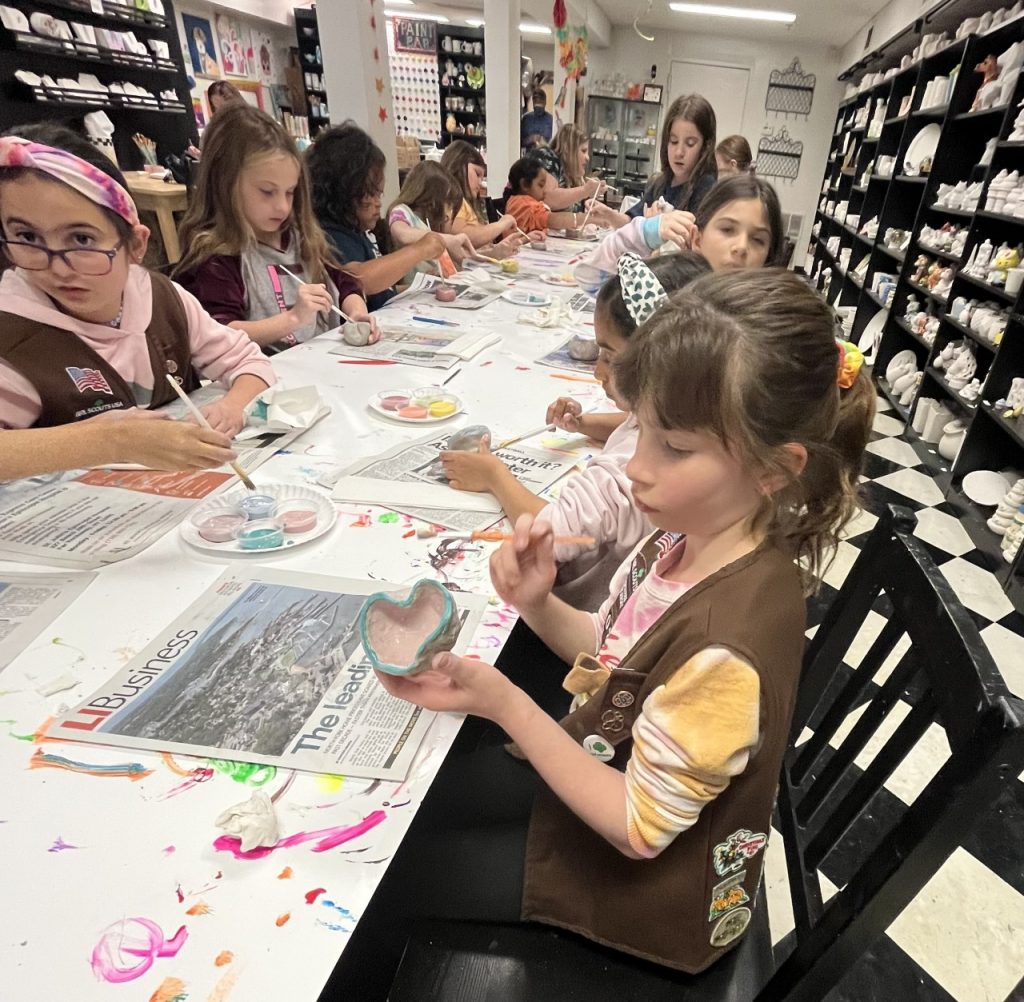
x: 217, y: 284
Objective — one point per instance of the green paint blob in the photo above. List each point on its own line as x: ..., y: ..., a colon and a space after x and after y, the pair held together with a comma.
x: 244, y: 772
x: 388, y: 518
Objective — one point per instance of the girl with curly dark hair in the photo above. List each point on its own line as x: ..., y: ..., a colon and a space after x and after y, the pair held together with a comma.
x: 346, y: 169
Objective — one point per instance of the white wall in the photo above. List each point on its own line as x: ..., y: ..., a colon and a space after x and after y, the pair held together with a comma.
x: 632, y: 56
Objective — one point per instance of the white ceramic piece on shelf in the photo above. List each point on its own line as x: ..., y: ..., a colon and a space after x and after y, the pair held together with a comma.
x: 906, y: 398
x: 986, y: 487
x: 940, y: 416
x: 900, y: 384
x: 952, y: 438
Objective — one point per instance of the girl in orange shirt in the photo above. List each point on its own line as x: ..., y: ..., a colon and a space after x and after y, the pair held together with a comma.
x: 527, y: 182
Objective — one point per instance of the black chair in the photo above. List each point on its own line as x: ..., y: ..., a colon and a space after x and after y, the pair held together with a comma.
x: 946, y: 677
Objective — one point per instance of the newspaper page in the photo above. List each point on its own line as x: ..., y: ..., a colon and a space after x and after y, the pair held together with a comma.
x: 409, y: 478
x: 468, y: 294
x: 429, y: 345
x: 29, y: 602
x: 265, y: 667
x: 561, y: 359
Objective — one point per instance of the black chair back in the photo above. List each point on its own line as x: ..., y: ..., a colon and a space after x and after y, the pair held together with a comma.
x: 946, y: 677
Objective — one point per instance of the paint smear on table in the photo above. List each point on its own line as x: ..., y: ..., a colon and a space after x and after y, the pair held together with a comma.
x: 285, y: 874
x: 281, y: 919
x: 128, y: 948
x: 312, y: 895
x: 223, y: 987
x: 224, y: 957
x: 329, y: 783
x: 125, y: 770
x: 248, y: 773
x: 325, y: 838
x: 60, y: 845
x: 170, y: 990
x: 199, y: 908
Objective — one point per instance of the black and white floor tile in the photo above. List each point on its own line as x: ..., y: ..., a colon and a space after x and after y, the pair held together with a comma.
x: 962, y: 938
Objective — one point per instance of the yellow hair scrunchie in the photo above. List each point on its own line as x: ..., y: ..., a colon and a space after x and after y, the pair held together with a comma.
x: 851, y: 358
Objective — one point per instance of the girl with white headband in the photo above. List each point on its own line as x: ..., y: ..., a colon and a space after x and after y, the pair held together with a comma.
x: 88, y: 335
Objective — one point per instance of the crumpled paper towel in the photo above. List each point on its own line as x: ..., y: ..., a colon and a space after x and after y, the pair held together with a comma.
x: 253, y: 821
x: 280, y: 410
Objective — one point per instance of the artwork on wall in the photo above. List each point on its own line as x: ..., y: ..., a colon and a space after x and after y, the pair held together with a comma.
x: 232, y: 46
x: 779, y: 155
x: 199, y: 112
x: 202, y: 48
x: 264, y: 52
x: 790, y: 91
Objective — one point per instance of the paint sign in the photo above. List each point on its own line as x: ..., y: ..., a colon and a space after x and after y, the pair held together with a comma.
x: 415, y: 36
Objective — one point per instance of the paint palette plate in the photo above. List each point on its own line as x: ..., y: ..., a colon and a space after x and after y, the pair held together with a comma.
x: 326, y: 514
x: 558, y: 278
x: 522, y: 297
x: 406, y: 405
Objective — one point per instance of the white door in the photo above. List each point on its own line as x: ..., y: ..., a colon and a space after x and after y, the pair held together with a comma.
x: 724, y: 86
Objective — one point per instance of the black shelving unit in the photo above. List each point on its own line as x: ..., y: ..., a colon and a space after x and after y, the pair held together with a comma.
x: 992, y: 441
x: 470, y: 124
x: 168, y: 122
x: 307, y: 33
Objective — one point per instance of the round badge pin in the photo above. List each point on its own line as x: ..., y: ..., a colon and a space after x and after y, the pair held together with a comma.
x: 598, y: 747
x: 730, y: 926
x: 622, y: 699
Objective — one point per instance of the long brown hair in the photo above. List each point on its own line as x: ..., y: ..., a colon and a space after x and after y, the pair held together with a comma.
x: 752, y: 358
x: 696, y: 109
x: 431, y: 192
x: 456, y: 160
x: 237, y: 136
x: 737, y: 149
x: 742, y: 186
x: 567, y: 145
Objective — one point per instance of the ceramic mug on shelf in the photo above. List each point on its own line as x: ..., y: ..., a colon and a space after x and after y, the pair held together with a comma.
x: 1014, y: 278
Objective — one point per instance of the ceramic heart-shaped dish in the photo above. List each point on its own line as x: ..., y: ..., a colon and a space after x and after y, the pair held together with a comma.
x: 400, y: 635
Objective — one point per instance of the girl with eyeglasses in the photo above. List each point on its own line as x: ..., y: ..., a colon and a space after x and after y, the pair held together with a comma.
x: 87, y: 335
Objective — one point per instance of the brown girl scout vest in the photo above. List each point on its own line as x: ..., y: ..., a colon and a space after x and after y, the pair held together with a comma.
x: 74, y: 382
x: 690, y: 904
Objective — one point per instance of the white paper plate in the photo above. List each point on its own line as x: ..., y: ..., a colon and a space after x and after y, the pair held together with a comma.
x: 900, y: 358
x: 872, y: 331
x: 922, y: 145
x: 394, y: 416
x: 326, y: 514
x: 986, y: 487
x: 523, y: 297
x: 556, y: 278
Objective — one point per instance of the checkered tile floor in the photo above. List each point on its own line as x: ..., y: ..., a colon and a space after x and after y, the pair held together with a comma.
x: 962, y: 938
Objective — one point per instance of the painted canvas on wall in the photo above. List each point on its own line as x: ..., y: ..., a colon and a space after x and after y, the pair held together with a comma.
x: 202, y: 48
x: 232, y: 46
x: 265, y: 61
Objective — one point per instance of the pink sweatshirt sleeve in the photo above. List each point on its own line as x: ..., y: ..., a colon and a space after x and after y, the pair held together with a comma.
x: 220, y: 352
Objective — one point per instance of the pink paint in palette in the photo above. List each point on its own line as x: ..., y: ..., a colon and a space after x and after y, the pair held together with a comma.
x: 424, y: 405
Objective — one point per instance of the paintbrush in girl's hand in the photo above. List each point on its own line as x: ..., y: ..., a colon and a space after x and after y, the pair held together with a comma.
x: 341, y: 313
x: 201, y: 418
x: 501, y: 537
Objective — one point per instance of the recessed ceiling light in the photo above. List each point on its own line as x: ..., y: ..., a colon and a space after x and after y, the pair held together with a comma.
x: 534, y: 29
x: 398, y: 3
x: 440, y: 18
x: 746, y: 13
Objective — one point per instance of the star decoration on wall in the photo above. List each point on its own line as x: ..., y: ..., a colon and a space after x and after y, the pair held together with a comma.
x: 382, y: 113
x: 379, y: 84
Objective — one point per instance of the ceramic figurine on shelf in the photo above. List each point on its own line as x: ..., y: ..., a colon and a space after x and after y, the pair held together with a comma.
x: 921, y: 266
x: 945, y: 357
x: 931, y: 329
x: 1007, y: 258
x: 972, y: 390
x: 945, y: 282
x: 913, y: 308
x: 952, y: 438
x: 934, y: 275
x: 981, y: 262
x: 910, y: 391
x: 1014, y: 536
x: 1015, y: 399
x: 988, y: 92
x: 1003, y: 517
x: 1018, y: 126
x: 961, y: 371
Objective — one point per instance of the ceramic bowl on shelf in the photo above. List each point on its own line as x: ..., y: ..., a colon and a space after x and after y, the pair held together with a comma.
x: 986, y: 487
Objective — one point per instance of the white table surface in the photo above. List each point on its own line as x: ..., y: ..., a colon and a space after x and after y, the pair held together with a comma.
x: 88, y: 854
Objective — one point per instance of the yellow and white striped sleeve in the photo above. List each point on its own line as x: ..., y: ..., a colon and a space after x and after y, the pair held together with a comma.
x: 692, y: 736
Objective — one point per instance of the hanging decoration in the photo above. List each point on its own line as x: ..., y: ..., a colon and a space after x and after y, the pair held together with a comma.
x: 779, y: 155
x: 572, y: 51
x: 790, y: 91
x: 643, y: 13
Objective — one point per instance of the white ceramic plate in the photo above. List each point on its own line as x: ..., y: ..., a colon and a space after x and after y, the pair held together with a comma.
x: 523, y: 297
x: 395, y: 416
x: 900, y: 358
x: 325, y: 518
x: 921, y: 146
x: 557, y: 278
x: 986, y: 487
x: 872, y: 331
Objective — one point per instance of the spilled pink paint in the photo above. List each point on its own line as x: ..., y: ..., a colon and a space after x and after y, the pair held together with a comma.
x: 128, y: 948
x: 326, y: 838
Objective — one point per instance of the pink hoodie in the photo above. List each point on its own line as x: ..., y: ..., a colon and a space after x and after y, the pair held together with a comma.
x: 218, y: 352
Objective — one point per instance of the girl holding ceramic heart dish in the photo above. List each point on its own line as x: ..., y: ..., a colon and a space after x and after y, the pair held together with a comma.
x: 249, y: 223
x: 88, y: 336
x: 643, y: 820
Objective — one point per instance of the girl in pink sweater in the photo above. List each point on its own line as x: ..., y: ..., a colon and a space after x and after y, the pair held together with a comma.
x: 87, y: 335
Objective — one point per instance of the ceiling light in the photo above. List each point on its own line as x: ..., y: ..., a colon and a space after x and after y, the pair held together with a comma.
x: 474, y: 22
x: 398, y: 3
x: 534, y: 29
x: 746, y: 13
x: 440, y: 18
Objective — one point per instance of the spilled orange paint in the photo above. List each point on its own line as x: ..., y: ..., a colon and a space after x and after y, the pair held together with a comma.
x: 224, y: 986
x: 224, y: 957
x: 173, y: 766
x: 199, y: 908
x: 170, y: 990
x: 281, y: 919
x: 285, y: 873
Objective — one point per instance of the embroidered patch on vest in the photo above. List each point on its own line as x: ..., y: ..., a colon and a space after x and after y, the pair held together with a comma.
x: 732, y: 925
x: 730, y: 855
x: 613, y: 721
x: 89, y: 380
x: 727, y: 895
x: 622, y: 699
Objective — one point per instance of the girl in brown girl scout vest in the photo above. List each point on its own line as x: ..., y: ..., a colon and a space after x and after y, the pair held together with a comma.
x: 88, y: 336
x: 649, y: 806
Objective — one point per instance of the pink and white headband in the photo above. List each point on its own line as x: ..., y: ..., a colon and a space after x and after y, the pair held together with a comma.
x: 75, y: 172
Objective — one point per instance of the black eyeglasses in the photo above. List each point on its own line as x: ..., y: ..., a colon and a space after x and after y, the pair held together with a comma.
x: 82, y: 261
